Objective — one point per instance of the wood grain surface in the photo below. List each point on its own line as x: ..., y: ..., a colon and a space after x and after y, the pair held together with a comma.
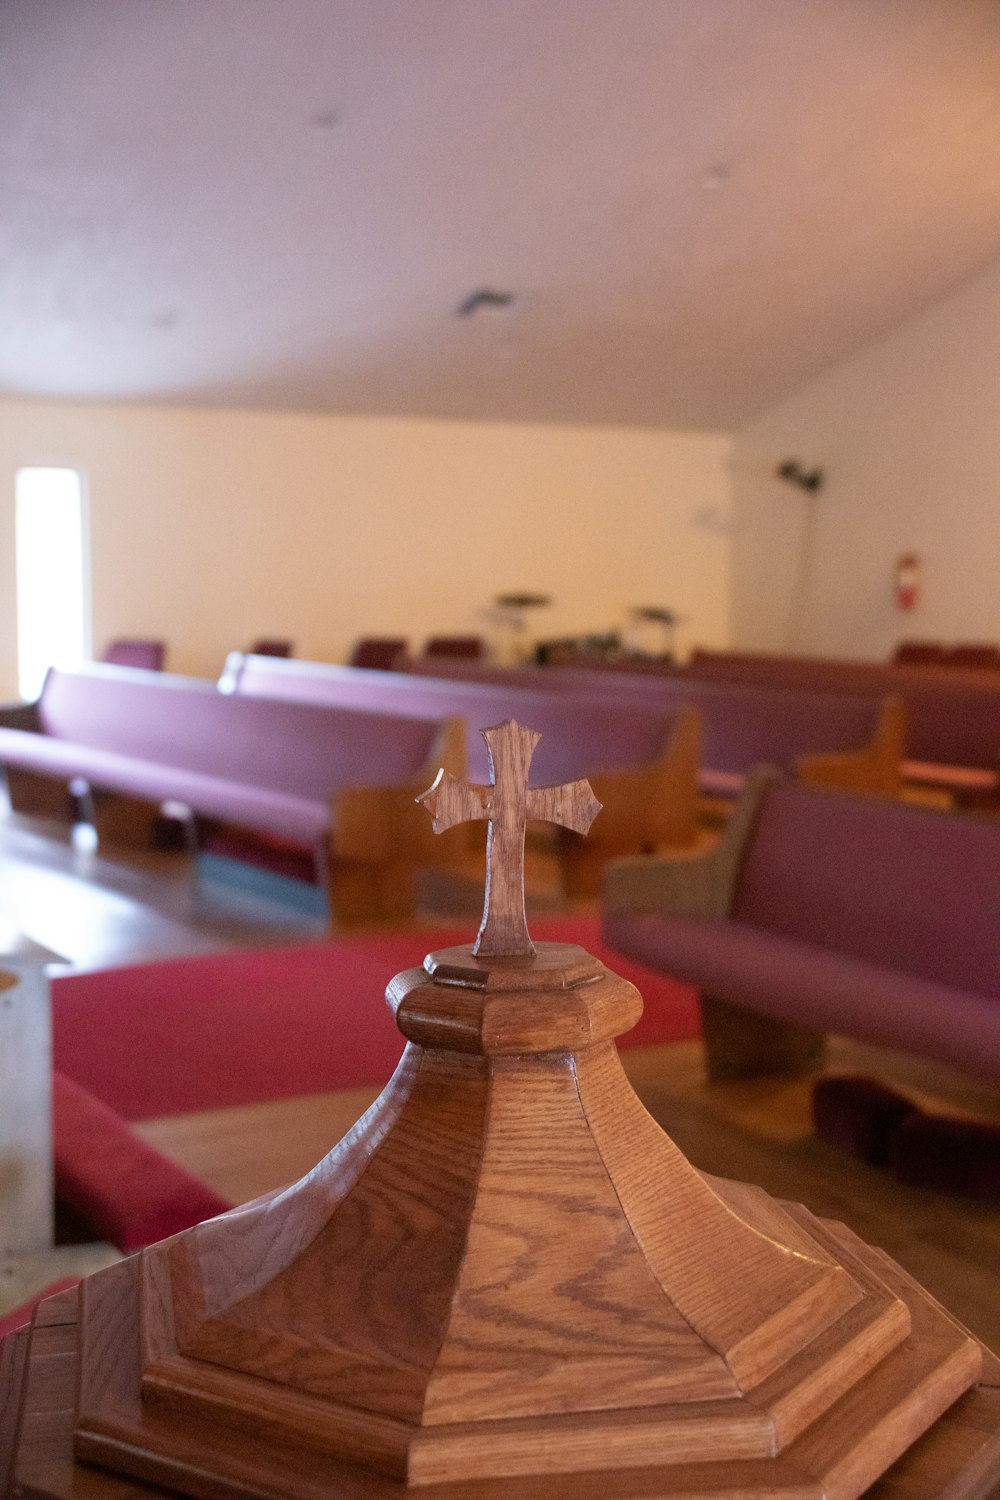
x: 508, y: 804
x: 957, y: 1458
x: 507, y: 1269
x: 505, y: 1283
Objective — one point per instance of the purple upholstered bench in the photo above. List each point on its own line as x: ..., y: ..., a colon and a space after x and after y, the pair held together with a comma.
x: 827, y: 738
x: 831, y: 738
x: 641, y: 759
x: 952, y: 716
x: 340, y: 782
x: 823, y: 911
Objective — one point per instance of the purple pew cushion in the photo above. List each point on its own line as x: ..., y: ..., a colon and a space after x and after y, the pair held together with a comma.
x: 258, y: 807
x: 815, y: 986
x: 136, y: 653
x: 907, y: 887
x: 268, y: 765
x: 741, y: 726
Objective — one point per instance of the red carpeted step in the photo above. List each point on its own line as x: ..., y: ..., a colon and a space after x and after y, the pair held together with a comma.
x: 240, y: 1028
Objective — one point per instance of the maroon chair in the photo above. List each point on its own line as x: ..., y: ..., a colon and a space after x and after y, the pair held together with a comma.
x: 918, y: 653
x: 454, y: 645
x: 973, y: 654
x: 378, y: 652
x: 271, y: 648
x: 136, y: 653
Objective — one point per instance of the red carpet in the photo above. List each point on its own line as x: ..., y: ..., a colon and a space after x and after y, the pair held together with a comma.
x: 240, y: 1028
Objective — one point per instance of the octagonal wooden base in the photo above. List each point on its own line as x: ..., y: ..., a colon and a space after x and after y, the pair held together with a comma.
x: 957, y: 1458
x: 507, y: 1281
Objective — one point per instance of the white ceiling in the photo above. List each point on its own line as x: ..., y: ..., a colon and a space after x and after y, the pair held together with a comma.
x: 698, y: 203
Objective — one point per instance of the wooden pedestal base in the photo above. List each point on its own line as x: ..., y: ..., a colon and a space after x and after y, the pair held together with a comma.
x: 957, y: 1458
x: 505, y: 1283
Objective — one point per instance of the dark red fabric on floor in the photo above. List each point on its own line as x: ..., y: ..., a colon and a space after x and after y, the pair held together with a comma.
x: 240, y: 1028
x: 125, y: 1190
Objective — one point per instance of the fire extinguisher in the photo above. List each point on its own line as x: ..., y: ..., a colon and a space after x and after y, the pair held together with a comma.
x: 908, y: 581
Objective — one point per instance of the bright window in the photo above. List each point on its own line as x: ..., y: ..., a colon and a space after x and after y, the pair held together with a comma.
x: 52, y: 624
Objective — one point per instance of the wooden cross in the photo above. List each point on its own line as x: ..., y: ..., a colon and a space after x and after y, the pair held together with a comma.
x: 509, y: 804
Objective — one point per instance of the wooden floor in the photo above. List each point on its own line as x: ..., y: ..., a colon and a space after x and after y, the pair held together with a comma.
x: 104, y: 909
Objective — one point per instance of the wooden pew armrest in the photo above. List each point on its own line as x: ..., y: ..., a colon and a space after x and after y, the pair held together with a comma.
x: 875, y: 767
x: 655, y: 803
x: 689, y: 883
x: 382, y: 824
x: 20, y: 716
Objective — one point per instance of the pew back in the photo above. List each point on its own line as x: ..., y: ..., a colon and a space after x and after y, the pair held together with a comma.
x: 744, y: 726
x: 952, y: 717
x: 641, y: 759
x: 298, y: 748
x: 581, y: 735
x: 820, y: 911
x: 341, y: 781
x: 904, y: 886
x: 833, y: 737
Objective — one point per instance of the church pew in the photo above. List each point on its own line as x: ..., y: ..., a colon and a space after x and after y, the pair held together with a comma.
x: 952, y: 716
x: 831, y: 738
x: 822, y: 911
x: 339, y: 782
x: 641, y: 759
x: 824, y: 738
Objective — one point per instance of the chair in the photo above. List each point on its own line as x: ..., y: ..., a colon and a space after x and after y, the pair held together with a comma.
x: 454, y: 645
x: 271, y: 648
x: 136, y: 653
x: 918, y: 653
x: 973, y: 654
x: 378, y: 652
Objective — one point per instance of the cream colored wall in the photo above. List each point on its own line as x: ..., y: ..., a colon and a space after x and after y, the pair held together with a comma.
x: 210, y: 528
x: 909, y: 434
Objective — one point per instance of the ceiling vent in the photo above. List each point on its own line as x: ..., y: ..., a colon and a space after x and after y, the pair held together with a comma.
x: 485, y: 300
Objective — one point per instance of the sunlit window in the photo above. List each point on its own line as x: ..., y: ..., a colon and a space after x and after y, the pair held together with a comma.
x: 52, y: 624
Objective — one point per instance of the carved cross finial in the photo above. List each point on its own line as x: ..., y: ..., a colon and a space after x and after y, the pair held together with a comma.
x: 509, y: 804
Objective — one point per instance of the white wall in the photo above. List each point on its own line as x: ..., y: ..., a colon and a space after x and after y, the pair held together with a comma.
x: 210, y: 528
x: 908, y: 432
